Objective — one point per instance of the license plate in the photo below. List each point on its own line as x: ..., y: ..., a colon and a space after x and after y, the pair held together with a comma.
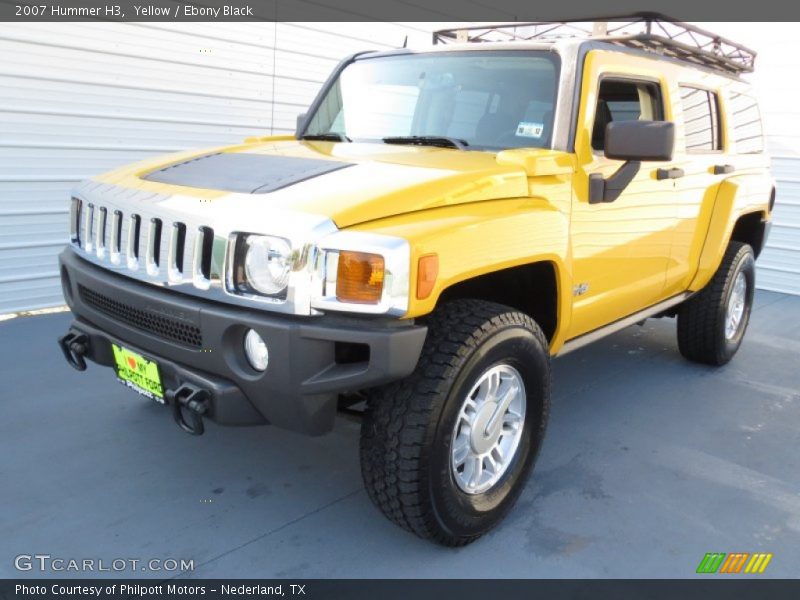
x: 138, y: 373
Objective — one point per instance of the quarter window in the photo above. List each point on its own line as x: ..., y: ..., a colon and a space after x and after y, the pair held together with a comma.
x: 747, y: 130
x: 700, y: 119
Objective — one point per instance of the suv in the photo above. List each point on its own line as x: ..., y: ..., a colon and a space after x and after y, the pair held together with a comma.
x: 441, y: 225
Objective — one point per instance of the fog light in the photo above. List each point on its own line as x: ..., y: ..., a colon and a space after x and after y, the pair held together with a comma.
x: 255, y: 348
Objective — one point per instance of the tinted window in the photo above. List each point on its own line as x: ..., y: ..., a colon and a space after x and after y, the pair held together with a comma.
x: 619, y: 100
x: 747, y: 132
x: 700, y: 120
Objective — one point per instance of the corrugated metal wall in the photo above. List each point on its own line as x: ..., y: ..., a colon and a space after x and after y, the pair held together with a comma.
x: 79, y: 99
x: 777, y: 89
x: 779, y: 265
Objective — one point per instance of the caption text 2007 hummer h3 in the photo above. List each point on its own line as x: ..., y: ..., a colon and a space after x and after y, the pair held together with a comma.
x: 442, y: 223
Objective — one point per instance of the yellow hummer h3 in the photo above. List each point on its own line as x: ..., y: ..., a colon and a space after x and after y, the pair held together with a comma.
x: 442, y: 224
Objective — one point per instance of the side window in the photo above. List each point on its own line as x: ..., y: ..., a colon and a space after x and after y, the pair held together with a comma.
x: 701, y: 119
x: 747, y: 130
x: 623, y: 100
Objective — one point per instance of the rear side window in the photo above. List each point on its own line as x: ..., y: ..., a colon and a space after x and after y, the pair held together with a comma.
x: 700, y: 119
x: 747, y: 130
x: 625, y: 100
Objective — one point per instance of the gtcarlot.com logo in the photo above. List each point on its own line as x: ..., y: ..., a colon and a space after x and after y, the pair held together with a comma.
x: 735, y: 562
x: 47, y: 562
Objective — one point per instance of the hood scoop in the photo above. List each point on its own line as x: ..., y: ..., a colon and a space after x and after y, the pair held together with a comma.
x: 242, y: 172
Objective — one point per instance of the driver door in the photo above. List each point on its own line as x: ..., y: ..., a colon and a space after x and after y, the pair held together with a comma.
x: 620, y: 249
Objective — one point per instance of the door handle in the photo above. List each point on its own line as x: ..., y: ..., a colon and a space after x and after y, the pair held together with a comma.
x: 723, y: 169
x: 671, y: 173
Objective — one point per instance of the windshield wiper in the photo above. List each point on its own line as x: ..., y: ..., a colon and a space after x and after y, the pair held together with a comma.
x: 428, y: 140
x: 331, y: 136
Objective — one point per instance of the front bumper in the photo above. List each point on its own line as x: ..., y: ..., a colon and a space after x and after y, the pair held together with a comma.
x: 312, y: 360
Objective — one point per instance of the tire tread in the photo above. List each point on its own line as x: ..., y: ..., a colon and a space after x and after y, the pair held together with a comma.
x: 398, y: 428
x: 699, y: 317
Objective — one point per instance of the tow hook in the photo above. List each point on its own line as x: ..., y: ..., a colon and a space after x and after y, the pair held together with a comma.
x: 75, y: 346
x: 188, y: 401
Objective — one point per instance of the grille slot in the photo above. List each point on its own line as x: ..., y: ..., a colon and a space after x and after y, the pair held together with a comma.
x: 88, y: 226
x: 100, y: 243
x: 134, y: 231
x: 116, y: 237
x: 162, y: 326
x: 203, y: 248
x: 75, y: 221
x: 177, y: 241
x: 153, y: 259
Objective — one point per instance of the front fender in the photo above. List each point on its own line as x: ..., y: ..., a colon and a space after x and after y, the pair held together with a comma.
x: 482, y: 237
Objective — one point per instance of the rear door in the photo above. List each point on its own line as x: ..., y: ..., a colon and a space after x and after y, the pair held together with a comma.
x: 700, y: 154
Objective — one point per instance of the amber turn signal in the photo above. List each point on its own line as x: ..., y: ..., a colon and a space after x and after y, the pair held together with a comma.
x: 359, y: 277
x: 427, y: 272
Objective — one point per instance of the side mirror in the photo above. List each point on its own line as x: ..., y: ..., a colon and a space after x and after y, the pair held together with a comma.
x: 633, y: 142
x: 640, y: 140
x: 301, y: 119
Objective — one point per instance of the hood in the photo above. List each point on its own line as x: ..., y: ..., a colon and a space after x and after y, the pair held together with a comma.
x: 349, y: 183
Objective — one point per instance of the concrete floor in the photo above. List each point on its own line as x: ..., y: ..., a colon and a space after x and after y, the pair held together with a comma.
x: 649, y: 463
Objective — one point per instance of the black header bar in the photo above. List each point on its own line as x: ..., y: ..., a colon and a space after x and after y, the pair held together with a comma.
x: 450, y: 11
x: 709, y: 587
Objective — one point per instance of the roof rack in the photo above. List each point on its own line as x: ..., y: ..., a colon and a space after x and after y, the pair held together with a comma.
x: 651, y: 32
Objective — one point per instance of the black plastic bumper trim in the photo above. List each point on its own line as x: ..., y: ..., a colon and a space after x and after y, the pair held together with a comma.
x: 299, y: 389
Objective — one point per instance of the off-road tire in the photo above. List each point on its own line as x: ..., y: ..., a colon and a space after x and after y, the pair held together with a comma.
x: 701, y: 319
x: 406, y: 434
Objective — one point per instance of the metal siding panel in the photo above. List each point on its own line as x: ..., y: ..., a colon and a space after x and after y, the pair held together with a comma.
x: 779, y: 264
x: 79, y: 99
x: 30, y: 295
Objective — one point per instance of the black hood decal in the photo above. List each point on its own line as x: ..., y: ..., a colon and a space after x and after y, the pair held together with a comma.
x: 241, y: 172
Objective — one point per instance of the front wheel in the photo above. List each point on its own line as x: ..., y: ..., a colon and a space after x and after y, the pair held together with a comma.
x: 712, y: 323
x: 446, y: 452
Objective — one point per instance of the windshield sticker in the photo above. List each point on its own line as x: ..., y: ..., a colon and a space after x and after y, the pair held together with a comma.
x: 530, y: 129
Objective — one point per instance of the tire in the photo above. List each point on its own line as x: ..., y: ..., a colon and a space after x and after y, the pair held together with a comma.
x: 409, y: 427
x: 702, y: 335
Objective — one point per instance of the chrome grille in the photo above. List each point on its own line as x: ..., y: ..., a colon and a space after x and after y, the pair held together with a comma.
x: 144, y: 247
x: 165, y: 239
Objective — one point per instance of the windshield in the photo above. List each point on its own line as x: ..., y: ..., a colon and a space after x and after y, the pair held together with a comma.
x: 476, y: 100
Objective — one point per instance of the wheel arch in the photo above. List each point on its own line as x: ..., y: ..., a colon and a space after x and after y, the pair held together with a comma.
x: 534, y: 288
x: 751, y: 228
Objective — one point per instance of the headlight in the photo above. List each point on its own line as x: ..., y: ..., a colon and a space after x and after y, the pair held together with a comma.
x: 344, y: 271
x: 262, y: 265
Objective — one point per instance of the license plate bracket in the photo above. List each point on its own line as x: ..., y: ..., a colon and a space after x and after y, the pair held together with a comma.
x: 140, y: 374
